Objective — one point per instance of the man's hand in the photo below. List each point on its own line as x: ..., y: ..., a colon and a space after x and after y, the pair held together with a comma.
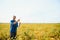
x: 18, y: 20
x: 14, y: 22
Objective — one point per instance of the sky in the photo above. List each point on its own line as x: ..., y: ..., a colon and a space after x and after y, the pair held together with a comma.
x: 30, y: 11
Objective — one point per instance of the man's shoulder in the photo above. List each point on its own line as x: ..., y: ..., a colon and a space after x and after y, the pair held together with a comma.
x: 11, y: 20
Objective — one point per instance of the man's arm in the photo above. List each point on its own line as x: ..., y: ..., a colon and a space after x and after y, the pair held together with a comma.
x: 16, y: 21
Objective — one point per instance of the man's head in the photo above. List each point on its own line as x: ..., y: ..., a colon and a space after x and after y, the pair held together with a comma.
x: 14, y: 17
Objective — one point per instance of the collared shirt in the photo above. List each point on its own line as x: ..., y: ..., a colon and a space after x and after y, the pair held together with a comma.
x: 13, y: 27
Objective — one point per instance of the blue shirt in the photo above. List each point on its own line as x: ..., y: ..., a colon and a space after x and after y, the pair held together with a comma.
x: 13, y: 27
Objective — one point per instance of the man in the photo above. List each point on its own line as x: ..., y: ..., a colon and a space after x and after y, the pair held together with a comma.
x: 13, y: 27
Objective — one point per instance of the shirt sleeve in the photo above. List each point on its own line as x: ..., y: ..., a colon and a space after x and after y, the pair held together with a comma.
x: 12, y: 22
x: 17, y: 24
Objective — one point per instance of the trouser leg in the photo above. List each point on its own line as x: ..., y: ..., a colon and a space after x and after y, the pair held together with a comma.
x: 12, y: 35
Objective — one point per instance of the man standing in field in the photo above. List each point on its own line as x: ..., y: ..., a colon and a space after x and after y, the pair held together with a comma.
x: 13, y: 27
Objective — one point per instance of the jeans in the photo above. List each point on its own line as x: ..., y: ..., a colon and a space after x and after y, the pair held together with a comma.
x: 13, y: 35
